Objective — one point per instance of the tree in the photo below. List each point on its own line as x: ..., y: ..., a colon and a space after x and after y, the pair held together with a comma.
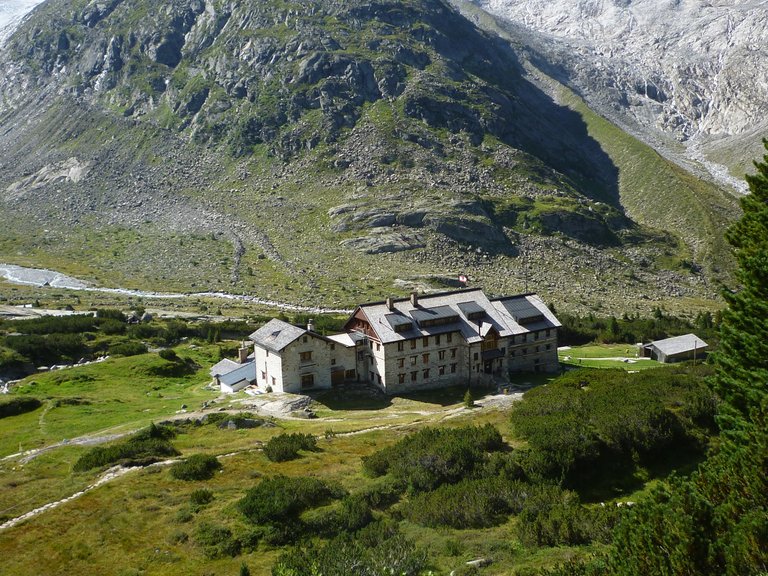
x: 469, y: 402
x: 716, y: 522
x: 742, y: 359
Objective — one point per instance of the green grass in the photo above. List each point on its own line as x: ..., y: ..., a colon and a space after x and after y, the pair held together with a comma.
x: 602, y: 356
x: 120, y: 394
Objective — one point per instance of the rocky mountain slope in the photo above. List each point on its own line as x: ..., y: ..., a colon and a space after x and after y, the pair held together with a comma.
x: 320, y: 151
x: 687, y: 70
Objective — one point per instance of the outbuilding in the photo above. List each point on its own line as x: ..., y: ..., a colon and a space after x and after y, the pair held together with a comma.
x: 676, y: 349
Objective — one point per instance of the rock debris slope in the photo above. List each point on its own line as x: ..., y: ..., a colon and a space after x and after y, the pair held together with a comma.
x: 309, y: 150
x: 688, y: 69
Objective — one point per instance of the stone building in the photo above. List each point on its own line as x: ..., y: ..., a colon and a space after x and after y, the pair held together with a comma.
x: 400, y: 345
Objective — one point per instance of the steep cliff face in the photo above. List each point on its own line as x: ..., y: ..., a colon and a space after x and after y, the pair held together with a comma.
x: 692, y: 70
x: 391, y: 132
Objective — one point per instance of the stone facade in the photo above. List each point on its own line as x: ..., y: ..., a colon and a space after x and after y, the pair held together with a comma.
x: 433, y: 341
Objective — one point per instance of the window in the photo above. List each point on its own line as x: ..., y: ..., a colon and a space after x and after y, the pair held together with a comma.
x: 441, y: 370
x: 371, y: 376
x: 413, y: 344
x: 305, y: 356
x: 503, y: 350
x: 361, y: 356
x: 449, y: 337
x: 263, y: 375
x: 426, y: 373
x: 400, y: 362
x: 333, y: 361
x: 525, y: 351
x: 425, y: 341
x: 549, y: 332
x: 549, y: 346
x: 273, y: 381
x: 304, y: 339
x: 414, y: 375
x: 476, y: 356
x: 453, y: 352
x: 413, y: 360
x: 400, y: 346
x: 512, y: 354
x: 378, y: 346
x: 378, y: 377
x: 437, y: 340
x: 401, y: 378
x: 441, y: 354
x: 307, y: 380
x: 333, y: 346
x: 349, y: 374
x: 425, y: 358
x: 537, y: 349
x: 453, y: 368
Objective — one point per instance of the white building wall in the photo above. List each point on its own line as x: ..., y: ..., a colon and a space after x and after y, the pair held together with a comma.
x: 308, y: 356
x: 533, y: 352
x: 422, y: 363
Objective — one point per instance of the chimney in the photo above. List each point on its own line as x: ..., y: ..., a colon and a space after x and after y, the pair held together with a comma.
x: 242, y: 353
x: 389, y: 303
x: 415, y: 298
x: 311, y: 325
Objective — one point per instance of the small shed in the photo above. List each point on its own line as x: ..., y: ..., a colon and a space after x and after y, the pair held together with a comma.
x: 237, y: 379
x: 677, y: 349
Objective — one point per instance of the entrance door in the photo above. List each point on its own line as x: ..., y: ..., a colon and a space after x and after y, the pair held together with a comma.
x: 337, y: 377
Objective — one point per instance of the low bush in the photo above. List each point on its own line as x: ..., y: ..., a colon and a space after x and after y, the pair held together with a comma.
x: 16, y: 406
x: 196, y: 467
x: 351, y: 515
x: 168, y: 354
x: 279, y: 500
x: 131, y: 348
x: 217, y: 541
x: 51, y: 349
x: 201, y: 497
x: 286, y: 446
x: 377, y: 549
x: 435, y: 456
x: 144, y: 447
x: 589, y: 422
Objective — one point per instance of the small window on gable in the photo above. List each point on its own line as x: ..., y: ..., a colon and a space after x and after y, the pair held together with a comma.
x: 449, y: 337
x: 425, y: 341
x: 400, y: 346
x: 304, y: 339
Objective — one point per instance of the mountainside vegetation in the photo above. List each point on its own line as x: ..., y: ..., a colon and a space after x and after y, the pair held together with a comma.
x: 716, y: 521
x: 228, y: 145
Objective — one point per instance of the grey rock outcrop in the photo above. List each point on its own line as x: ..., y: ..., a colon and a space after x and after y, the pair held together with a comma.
x: 691, y: 70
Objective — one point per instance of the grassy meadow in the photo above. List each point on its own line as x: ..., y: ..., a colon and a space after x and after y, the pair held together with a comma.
x: 147, y: 522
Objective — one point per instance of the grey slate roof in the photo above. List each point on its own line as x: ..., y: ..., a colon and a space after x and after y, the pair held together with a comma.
x: 224, y: 367
x: 276, y: 335
x: 447, y: 303
x: 524, y: 308
x: 679, y: 344
x: 245, y: 372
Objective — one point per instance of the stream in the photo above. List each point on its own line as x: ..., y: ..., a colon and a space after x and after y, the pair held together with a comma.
x: 49, y: 278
